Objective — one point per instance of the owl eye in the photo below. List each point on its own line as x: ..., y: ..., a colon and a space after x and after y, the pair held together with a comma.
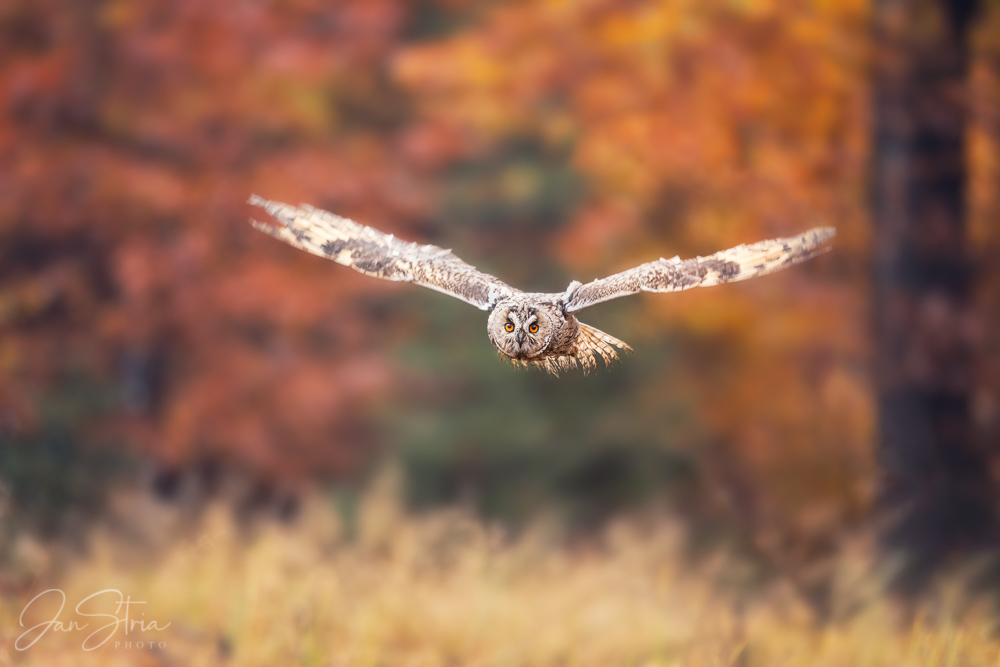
x: 509, y: 326
x: 533, y: 328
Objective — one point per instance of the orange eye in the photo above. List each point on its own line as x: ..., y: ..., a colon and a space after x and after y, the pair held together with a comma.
x: 509, y: 326
x: 533, y: 328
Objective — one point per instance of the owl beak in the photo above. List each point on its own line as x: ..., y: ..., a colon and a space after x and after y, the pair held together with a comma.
x: 520, y: 337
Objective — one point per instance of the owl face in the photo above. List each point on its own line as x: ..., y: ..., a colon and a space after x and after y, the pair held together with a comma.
x: 521, y: 331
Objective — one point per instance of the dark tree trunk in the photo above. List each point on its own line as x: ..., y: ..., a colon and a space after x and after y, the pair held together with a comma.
x: 936, y: 491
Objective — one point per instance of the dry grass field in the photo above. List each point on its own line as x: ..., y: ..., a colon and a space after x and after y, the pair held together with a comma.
x: 443, y: 589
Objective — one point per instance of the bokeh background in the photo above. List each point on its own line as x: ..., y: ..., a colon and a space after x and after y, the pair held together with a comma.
x: 296, y: 464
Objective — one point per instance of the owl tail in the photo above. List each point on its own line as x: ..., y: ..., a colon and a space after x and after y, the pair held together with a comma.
x: 591, y: 342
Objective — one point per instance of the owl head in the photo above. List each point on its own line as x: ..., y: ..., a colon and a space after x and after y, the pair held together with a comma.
x: 521, y: 330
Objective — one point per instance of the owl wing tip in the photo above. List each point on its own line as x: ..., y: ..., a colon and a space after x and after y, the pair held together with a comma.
x: 270, y: 230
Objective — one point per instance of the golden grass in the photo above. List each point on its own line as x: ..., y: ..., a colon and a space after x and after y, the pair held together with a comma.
x: 446, y: 590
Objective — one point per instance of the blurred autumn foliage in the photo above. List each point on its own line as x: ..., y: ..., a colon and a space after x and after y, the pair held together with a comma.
x: 542, y: 141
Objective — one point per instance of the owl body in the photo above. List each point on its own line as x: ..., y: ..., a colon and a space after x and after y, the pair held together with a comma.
x: 532, y: 326
x: 536, y: 329
x: 528, y: 328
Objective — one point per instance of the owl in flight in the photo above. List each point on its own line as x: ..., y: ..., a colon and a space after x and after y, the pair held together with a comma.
x: 529, y: 328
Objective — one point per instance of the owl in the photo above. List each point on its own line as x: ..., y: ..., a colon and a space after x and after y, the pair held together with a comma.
x: 528, y: 328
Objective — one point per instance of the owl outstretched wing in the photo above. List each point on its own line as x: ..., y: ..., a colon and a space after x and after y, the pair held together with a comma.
x: 672, y: 275
x: 373, y: 253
